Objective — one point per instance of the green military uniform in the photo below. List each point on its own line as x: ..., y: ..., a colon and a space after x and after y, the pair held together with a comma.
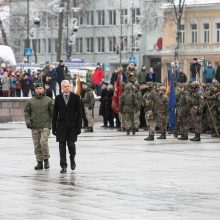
x: 128, y: 103
x: 89, y: 102
x: 38, y: 114
x: 182, y: 108
x: 196, y: 109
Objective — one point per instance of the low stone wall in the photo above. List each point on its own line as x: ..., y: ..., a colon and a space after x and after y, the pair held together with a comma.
x: 12, y: 109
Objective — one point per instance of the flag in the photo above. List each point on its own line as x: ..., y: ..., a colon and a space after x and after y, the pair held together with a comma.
x: 117, y: 94
x: 172, y: 104
x: 78, y: 85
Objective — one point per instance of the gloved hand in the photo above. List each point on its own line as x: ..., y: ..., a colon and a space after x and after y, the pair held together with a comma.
x: 54, y: 132
x: 78, y: 131
x: 29, y: 125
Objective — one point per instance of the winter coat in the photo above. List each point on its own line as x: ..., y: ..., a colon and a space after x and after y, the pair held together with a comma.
x: 38, y: 112
x: 98, y: 76
x: 150, y: 77
x: 89, y: 99
x: 209, y: 72
x: 61, y: 70
x: 5, y: 83
x: 142, y: 76
x: 67, y: 119
x: 102, y: 102
x: 51, y: 82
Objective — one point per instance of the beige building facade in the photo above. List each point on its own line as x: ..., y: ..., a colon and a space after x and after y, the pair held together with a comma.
x: 199, y: 36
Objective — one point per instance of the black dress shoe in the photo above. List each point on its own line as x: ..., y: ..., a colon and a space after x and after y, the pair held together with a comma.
x: 63, y: 170
x: 73, y: 165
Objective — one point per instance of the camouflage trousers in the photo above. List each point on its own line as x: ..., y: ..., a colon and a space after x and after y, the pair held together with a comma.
x: 129, y: 120
x: 40, y: 140
x: 137, y: 118
x: 183, y: 124
x: 122, y: 119
x: 196, y: 120
x: 89, y: 117
x: 149, y: 117
x: 162, y: 121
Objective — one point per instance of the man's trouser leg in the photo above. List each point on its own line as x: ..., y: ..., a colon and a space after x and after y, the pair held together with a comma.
x: 62, y: 149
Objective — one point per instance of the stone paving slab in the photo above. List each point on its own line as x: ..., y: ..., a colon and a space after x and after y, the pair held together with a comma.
x: 117, y: 177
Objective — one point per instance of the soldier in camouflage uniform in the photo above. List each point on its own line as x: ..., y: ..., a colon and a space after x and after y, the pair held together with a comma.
x: 197, y: 104
x: 182, y: 108
x: 214, y: 101
x: 89, y: 102
x: 177, y: 128
x: 162, y: 111
x: 128, y: 103
x: 149, y: 103
x: 38, y: 117
x: 137, y: 91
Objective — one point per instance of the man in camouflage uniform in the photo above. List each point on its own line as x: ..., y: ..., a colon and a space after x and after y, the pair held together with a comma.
x: 128, y: 104
x: 38, y: 117
x: 214, y: 101
x: 137, y: 91
x: 149, y: 103
x: 182, y: 108
x: 89, y: 102
x: 196, y: 109
x: 162, y: 111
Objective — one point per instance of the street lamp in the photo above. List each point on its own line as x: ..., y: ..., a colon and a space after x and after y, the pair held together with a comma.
x: 28, y: 27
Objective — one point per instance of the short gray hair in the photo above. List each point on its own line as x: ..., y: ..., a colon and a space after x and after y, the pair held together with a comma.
x: 65, y: 82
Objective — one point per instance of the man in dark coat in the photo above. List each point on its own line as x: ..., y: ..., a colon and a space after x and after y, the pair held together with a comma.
x: 67, y: 123
x: 61, y: 71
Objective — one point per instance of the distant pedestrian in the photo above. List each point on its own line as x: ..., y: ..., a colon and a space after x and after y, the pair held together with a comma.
x: 98, y: 78
x: 61, y: 70
x: 67, y: 123
x: 181, y: 76
x: 38, y: 116
x: 217, y: 74
x: 209, y: 73
x: 195, y: 70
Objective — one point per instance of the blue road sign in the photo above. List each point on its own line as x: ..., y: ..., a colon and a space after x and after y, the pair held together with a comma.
x: 132, y: 59
x: 27, y: 52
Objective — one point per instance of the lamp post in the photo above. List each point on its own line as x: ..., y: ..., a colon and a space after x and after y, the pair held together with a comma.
x: 28, y: 27
x: 132, y: 28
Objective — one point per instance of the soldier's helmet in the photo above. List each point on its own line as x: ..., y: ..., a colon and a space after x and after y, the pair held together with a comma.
x: 137, y: 86
x: 163, y: 88
x: 183, y: 85
x: 38, y: 84
x: 89, y: 84
x: 150, y: 84
x: 195, y: 84
x: 128, y: 86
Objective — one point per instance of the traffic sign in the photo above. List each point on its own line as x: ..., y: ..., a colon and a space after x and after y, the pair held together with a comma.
x: 132, y: 59
x: 27, y: 52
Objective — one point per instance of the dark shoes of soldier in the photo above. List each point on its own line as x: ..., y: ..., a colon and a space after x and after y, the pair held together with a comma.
x: 162, y: 136
x: 89, y: 129
x: 215, y: 134
x: 149, y: 138
x: 133, y: 131
x: 63, y: 170
x: 128, y: 131
x: 39, y: 166
x: 46, y: 164
x: 183, y: 137
x: 210, y: 131
x: 196, y: 138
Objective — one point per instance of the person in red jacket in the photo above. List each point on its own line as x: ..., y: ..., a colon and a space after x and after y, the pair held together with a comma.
x: 98, y: 78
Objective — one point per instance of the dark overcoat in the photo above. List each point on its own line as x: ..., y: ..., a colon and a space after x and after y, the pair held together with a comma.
x: 67, y: 119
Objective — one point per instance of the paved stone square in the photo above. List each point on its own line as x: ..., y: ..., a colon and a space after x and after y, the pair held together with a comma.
x: 117, y: 177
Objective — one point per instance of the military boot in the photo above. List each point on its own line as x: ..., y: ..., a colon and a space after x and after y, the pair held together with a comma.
x: 149, y: 138
x: 46, y: 164
x: 133, y: 131
x: 162, y: 136
x: 39, y: 165
x: 183, y: 137
x: 128, y: 131
x: 89, y: 129
x: 196, y: 138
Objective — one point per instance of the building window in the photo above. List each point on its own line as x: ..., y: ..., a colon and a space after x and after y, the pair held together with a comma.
x: 101, y: 17
x: 112, y: 17
x: 49, y: 45
x: 194, y: 33
x: 101, y: 44
x: 90, y: 18
x: 44, y: 48
x: 206, y: 33
x: 79, y: 45
x: 182, y: 34
x: 89, y: 45
x: 218, y: 32
x: 112, y: 44
x: 124, y: 17
x: 135, y: 14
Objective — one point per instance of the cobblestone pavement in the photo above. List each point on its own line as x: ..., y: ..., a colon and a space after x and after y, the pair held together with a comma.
x: 117, y: 177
